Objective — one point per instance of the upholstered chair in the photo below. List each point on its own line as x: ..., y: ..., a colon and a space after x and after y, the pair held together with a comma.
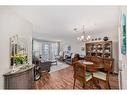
x: 104, y: 75
x: 81, y: 74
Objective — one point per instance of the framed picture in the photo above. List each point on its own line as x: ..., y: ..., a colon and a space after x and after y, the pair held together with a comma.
x: 82, y: 49
x: 123, y: 26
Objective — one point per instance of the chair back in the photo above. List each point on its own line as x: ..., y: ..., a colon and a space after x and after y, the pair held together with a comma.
x: 87, y: 58
x: 108, y: 64
x: 94, y: 59
x: 79, y: 71
x: 76, y: 58
x: 99, y: 61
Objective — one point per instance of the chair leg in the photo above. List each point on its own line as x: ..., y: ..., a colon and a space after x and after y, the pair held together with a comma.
x: 96, y: 83
x: 74, y: 83
x: 107, y: 85
x: 92, y: 84
x: 84, y: 85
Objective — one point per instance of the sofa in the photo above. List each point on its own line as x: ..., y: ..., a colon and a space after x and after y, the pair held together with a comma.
x: 68, y: 59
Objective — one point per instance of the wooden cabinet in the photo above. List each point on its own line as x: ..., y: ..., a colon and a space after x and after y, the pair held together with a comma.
x: 19, y: 80
x: 101, y: 49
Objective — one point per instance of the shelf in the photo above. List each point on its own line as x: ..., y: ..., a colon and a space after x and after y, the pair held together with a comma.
x: 100, y: 52
x: 107, y: 52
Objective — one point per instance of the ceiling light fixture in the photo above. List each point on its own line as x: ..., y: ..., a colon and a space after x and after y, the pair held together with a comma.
x: 82, y: 37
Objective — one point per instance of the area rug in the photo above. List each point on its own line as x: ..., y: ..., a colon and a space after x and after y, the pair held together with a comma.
x: 59, y: 66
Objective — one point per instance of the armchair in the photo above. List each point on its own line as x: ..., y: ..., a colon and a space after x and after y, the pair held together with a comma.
x: 60, y: 56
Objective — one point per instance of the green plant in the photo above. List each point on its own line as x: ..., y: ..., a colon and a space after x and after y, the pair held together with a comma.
x: 20, y: 58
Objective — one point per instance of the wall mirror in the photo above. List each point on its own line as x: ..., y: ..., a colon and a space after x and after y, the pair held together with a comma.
x: 18, y: 50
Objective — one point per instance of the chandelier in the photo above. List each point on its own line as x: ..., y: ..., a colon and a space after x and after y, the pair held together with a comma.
x: 83, y: 37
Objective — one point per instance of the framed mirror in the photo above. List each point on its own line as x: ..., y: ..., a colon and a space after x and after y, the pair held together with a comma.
x: 18, y: 50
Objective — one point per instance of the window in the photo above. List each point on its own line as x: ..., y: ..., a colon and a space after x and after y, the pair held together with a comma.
x: 47, y: 49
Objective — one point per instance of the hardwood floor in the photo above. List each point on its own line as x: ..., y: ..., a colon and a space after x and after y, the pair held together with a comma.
x: 63, y: 79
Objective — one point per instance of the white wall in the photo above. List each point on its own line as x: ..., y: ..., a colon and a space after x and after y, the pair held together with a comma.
x: 10, y: 25
x: 75, y: 45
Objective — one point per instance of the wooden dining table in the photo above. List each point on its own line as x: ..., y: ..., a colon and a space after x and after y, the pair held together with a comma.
x: 92, y: 67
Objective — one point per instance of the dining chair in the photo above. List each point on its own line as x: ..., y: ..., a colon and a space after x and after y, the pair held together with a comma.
x: 104, y: 75
x: 94, y: 59
x: 87, y: 58
x: 81, y: 74
x: 75, y: 58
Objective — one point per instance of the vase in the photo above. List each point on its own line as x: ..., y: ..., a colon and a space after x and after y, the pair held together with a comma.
x: 105, y: 38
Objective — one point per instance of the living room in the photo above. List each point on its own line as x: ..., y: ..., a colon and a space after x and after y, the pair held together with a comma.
x: 53, y: 33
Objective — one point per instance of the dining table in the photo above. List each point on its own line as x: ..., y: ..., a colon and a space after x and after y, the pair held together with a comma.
x: 92, y: 67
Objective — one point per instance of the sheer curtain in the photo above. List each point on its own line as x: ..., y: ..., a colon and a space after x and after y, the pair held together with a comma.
x: 47, y: 49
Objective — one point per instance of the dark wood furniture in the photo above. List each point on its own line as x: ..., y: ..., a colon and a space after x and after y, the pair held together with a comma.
x: 99, y: 60
x: 81, y: 74
x: 101, y: 49
x: 22, y: 79
x: 100, y: 71
x: 104, y: 75
x: 71, y: 60
x: 74, y: 60
x: 91, y: 67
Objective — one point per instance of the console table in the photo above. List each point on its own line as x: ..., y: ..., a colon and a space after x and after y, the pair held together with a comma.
x: 22, y: 79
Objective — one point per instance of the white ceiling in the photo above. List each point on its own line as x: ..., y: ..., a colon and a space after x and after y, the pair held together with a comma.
x: 57, y: 22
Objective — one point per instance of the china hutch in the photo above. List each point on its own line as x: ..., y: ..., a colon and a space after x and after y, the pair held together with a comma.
x: 101, y: 49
